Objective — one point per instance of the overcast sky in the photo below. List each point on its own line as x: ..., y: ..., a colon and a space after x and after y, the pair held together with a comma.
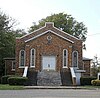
x: 86, y: 11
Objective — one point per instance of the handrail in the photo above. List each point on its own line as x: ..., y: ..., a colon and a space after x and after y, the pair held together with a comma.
x: 25, y: 71
x: 73, y: 75
x: 72, y: 72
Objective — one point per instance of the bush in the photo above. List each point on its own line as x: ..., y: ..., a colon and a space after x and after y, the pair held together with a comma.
x: 4, y: 79
x: 95, y: 82
x: 86, y: 80
x: 17, y: 80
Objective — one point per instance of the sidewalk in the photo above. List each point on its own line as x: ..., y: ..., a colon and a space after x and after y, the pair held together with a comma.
x: 54, y: 87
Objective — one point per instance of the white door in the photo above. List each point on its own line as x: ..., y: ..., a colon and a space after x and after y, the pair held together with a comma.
x: 48, y: 62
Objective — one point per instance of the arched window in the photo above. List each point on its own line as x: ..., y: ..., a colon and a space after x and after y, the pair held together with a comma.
x: 32, y: 58
x: 22, y: 58
x: 65, y: 58
x: 75, y: 59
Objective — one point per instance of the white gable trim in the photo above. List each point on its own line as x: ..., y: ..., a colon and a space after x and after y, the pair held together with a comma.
x: 67, y: 33
x: 37, y: 29
x: 44, y: 27
x: 31, y: 32
x: 61, y: 30
x: 47, y: 32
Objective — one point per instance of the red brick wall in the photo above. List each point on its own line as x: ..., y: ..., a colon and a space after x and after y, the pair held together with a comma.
x: 42, y: 47
x: 86, y: 64
x: 8, y: 67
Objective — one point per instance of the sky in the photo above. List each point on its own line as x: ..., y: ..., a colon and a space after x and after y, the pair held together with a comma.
x: 25, y: 12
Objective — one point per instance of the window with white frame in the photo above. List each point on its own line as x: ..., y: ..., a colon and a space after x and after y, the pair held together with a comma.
x: 32, y: 58
x: 65, y: 58
x: 22, y: 58
x: 75, y: 59
x: 13, y: 65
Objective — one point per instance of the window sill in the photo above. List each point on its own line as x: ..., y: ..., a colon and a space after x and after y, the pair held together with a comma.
x: 13, y: 70
x: 32, y: 66
x: 65, y: 67
x: 21, y: 66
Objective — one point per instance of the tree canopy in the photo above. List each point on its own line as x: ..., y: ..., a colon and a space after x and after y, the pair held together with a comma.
x: 64, y: 22
x: 95, y: 68
x: 7, y: 39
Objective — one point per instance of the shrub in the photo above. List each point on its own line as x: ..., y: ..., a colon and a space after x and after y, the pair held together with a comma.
x: 4, y: 79
x: 86, y: 80
x: 95, y: 82
x: 17, y: 80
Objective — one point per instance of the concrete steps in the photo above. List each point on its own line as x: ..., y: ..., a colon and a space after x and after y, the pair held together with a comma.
x: 66, y: 78
x: 48, y: 78
x: 32, y: 78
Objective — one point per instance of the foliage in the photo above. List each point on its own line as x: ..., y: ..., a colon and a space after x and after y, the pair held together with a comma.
x: 7, y: 39
x: 8, y: 87
x: 17, y: 80
x: 95, y: 82
x: 95, y: 68
x: 86, y: 80
x: 94, y: 71
x: 19, y: 32
x: 4, y: 79
x: 64, y: 22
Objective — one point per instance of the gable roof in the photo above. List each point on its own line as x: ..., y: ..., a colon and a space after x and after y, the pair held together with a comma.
x: 47, y: 29
x: 48, y: 32
x: 34, y: 31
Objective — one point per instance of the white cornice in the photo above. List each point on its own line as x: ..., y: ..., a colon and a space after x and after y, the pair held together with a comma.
x: 31, y: 32
x: 67, y: 33
x: 47, y: 32
x: 46, y: 23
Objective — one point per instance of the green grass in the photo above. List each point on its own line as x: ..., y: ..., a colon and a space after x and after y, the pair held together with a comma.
x: 90, y: 87
x: 8, y: 87
x: 93, y: 86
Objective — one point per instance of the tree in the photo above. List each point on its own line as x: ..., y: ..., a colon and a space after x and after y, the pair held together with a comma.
x: 7, y: 39
x: 95, y: 68
x: 19, y: 32
x: 64, y: 22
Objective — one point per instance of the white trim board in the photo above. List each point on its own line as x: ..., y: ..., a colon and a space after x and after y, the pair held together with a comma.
x: 30, y: 33
x: 67, y: 33
x: 37, y: 29
x: 46, y: 23
x: 48, y: 32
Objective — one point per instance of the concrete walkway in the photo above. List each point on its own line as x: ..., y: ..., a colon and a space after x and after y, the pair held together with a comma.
x: 54, y: 87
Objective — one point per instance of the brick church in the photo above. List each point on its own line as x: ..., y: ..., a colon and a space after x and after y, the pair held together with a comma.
x: 52, y: 50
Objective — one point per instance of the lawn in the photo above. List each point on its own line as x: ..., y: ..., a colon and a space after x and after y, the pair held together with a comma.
x: 91, y: 87
x: 8, y: 87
